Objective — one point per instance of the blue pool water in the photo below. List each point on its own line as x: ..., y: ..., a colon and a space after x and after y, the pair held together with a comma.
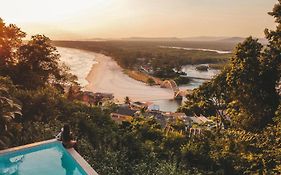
x: 46, y: 159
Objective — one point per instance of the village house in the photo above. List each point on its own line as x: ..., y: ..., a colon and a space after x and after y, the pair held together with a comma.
x: 123, y: 113
x: 153, y: 107
x: 140, y: 105
x: 88, y: 97
x: 188, y: 120
x: 158, y: 116
x: 173, y: 116
x: 149, y: 106
x: 95, y: 98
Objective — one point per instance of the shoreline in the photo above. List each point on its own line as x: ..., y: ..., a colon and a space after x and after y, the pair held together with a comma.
x: 95, y: 70
x: 107, y: 76
x: 142, y: 77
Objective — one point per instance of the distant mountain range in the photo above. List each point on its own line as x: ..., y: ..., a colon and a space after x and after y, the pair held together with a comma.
x: 240, y: 39
x: 233, y: 40
x: 198, y: 39
x: 152, y: 39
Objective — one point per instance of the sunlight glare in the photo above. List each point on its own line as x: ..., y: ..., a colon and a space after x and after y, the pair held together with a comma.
x: 30, y: 11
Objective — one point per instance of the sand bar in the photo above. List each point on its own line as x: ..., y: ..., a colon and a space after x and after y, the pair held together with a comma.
x: 107, y: 76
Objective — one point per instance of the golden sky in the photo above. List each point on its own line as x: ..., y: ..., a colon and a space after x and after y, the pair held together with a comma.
x: 87, y: 19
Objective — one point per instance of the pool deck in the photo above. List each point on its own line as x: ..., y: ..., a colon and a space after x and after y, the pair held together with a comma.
x: 79, y: 159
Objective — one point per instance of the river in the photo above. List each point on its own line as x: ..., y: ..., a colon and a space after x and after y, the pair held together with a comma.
x: 200, y: 49
x: 100, y: 73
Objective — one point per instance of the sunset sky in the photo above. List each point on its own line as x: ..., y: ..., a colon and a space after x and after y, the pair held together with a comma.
x: 86, y: 19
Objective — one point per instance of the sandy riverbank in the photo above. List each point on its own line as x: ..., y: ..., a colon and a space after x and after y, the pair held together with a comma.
x: 107, y: 76
x: 142, y: 77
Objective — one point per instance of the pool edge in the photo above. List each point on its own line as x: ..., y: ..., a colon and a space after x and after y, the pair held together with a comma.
x: 27, y: 146
x: 82, y: 162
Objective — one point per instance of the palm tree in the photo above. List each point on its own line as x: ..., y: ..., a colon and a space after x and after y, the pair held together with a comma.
x: 127, y: 100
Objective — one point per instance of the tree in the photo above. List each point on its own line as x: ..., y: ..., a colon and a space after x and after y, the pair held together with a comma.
x: 210, y: 99
x: 272, y: 60
x: 253, y: 79
x: 150, y: 81
x: 127, y: 100
x: 244, y: 80
x: 33, y: 64
x: 10, y: 39
x: 38, y: 65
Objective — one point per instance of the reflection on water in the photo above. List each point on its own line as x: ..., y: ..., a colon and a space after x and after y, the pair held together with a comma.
x: 191, y: 71
x: 10, y: 166
x: 200, y: 49
x: 68, y: 164
x: 195, y: 83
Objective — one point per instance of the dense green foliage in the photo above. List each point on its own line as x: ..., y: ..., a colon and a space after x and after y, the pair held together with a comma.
x: 243, y: 99
x: 9, y: 108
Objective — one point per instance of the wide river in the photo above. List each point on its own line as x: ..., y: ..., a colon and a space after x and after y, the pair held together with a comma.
x: 100, y: 73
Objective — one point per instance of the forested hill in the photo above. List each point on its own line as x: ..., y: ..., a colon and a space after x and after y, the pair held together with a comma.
x: 133, y: 54
x: 223, y: 44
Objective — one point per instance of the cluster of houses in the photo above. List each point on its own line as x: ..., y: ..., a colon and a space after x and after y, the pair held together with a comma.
x: 130, y: 110
x: 127, y: 112
x: 87, y: 97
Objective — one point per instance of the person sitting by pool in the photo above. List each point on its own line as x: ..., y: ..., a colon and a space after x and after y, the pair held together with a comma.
x: 66, y: 137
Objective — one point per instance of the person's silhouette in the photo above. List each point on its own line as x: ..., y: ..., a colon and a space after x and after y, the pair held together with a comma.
x: 67, y: 137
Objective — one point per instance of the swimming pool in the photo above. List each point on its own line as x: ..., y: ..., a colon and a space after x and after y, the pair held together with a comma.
x: 46, y: 159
